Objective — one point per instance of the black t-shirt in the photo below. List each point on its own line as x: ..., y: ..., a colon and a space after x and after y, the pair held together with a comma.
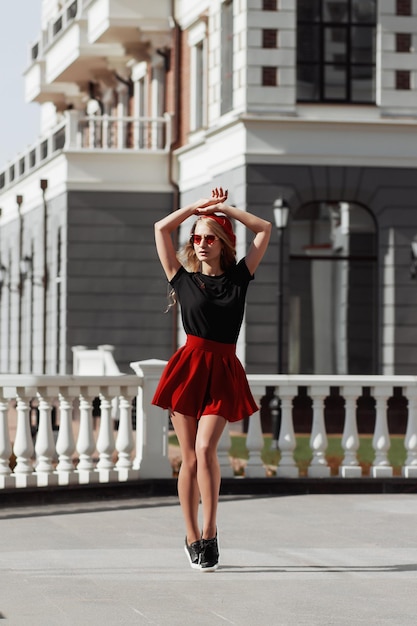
x: 212, y: 307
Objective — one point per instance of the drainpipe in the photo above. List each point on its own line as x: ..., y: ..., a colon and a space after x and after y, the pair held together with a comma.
x: 174, y: 140
x: 19, y: 201
x: 44, y: 186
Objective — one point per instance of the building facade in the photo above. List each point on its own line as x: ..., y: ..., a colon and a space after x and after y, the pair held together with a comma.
x: 147, y: 106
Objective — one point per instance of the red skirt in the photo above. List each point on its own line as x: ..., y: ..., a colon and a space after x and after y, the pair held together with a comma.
x: 205, y: 377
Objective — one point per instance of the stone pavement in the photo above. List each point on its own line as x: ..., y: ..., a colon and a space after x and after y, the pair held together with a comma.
x: 285, y: 560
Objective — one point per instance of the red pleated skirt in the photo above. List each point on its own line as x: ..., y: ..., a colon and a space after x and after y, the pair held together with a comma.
x: 205, y: 377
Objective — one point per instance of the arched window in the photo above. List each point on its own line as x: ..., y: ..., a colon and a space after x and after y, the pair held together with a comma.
x: 332, y: 290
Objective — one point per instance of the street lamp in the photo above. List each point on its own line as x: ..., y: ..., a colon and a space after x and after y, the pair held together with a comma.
x: 413, y: 266
x: 281, y: 211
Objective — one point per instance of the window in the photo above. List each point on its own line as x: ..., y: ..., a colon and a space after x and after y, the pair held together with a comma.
x: 403, y: 42
x: 403, y: 7
x: 269, y: 76
x: 336, y: 50
x: 198, y: 76
x: 332, y: 289
x: 226, y: 85
x: 269, y: 5
x: 269, y: 38
x: 402, y: 80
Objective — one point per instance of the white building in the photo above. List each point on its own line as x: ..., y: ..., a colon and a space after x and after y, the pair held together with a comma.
x: 147, y: 105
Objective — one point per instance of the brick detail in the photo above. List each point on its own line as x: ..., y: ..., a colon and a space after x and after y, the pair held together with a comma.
x: 269, y: 76
x: 402, y: 42
x: 403, y: 7
x: 269, y: 5
x: 402, y: 80
x: 269, y: 38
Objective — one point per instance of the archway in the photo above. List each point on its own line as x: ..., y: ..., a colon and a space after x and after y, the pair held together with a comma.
x: 332, y: 290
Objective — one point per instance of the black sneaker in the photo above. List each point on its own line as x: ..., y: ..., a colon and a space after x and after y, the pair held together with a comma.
x: 209, y: 558
x: 193, y: 552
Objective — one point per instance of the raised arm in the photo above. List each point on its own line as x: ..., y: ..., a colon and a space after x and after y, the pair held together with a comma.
x: 165, y: 227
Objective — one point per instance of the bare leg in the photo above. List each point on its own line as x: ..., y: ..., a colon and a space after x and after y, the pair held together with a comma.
x: 210, y: 429
x: 186, y: 431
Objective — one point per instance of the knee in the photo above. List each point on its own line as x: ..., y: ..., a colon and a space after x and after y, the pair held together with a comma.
x: 205, y: 454
x: 189, y: 463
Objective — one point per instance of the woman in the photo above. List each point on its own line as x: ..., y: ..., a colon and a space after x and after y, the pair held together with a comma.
x: 204, y: 384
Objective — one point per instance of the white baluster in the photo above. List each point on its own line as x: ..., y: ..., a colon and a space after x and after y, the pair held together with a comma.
x: 45, y: 445
x: 65, y: 445
x: 105, y: 439
x: 287, y: 467
x: 410, y: 466
x: 255, y: 443
x: 23, y: 446
x: 85, y: 443
x: 381, y: 439
x: 151, y: 424
x: 223, y: 449
x: 318, y: 440
x: 5, y: 446
x: 350, y: 467
x: 124, y: 440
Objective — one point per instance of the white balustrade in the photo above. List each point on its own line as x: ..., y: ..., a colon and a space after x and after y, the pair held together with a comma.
x: 381, y: 439
x: 318, y: 441
x: 350, y: 467
x: 78, y: 459
x: 287, y: 467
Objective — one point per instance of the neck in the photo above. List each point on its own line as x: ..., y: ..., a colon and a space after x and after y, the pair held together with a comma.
x: 211, y: 269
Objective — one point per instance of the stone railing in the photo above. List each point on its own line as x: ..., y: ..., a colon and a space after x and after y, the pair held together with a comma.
x: 61, y: 430
x: 96, y: 133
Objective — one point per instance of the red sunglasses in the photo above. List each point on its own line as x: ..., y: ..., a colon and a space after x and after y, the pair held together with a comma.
x: 196, y: 239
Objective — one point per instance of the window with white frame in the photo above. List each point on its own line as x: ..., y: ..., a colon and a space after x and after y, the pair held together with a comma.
x: 198, y: 76
x: 139, y: 77
x: 226, y: 45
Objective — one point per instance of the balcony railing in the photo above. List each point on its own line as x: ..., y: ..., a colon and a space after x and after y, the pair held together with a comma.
x: 95, y: 133
x: 60, y: 430
x: 57, y: 26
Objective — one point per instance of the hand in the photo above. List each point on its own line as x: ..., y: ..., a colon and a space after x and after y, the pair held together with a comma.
x: 205, y: 206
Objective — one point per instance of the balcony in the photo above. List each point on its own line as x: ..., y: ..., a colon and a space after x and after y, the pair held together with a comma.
x: 63, y: 56
x: 75, y: 442
x: 129, y: 21
x: 92, y: 135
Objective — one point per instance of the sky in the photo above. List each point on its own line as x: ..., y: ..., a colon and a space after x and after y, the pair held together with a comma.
x: 20, y: 25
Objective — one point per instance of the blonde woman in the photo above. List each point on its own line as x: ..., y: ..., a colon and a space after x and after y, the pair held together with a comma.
x: 204, y: 384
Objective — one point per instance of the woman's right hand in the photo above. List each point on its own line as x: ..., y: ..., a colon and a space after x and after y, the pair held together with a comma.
x: 218, y: 196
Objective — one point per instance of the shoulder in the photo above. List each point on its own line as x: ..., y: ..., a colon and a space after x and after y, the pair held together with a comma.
x: 241, y: 271
x: 180, y: 273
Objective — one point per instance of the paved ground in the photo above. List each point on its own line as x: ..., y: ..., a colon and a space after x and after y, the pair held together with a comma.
x: 288, y: 560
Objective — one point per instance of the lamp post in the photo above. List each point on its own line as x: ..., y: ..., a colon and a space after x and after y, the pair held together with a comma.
x: 281, y: 211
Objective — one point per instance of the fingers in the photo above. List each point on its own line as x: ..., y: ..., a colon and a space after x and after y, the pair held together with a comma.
x: 219, y: 194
